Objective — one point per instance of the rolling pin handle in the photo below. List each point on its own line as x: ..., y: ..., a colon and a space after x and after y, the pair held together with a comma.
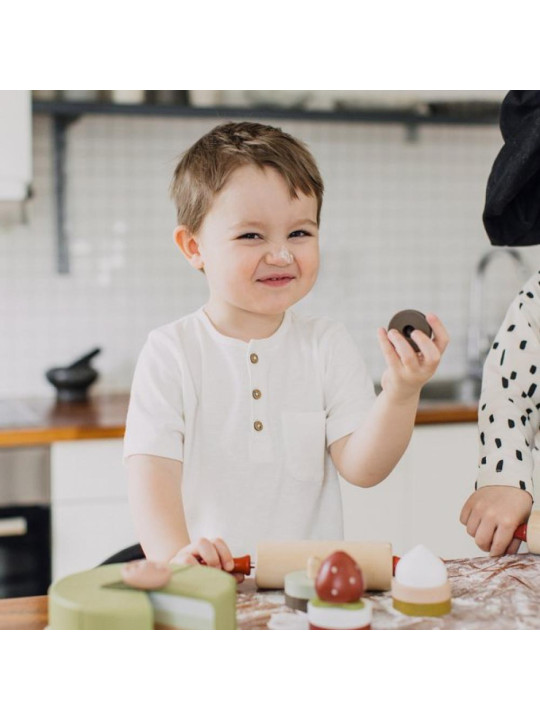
x: 521, y: 532
x: 242, y: 564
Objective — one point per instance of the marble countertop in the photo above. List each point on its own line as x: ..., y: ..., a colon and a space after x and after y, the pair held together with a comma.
x: 487, y: 594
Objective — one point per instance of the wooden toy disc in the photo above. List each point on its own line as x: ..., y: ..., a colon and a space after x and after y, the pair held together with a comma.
x: 419, y: 610
x: 408, y: 320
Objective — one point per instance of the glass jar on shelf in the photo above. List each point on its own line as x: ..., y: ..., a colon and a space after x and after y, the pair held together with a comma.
x: 82, y: 96
x: 128, y: 97
x: 166, y: 97
x: 204, y: 98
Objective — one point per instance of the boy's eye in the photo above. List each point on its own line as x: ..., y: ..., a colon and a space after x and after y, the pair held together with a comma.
x: 257, y: 236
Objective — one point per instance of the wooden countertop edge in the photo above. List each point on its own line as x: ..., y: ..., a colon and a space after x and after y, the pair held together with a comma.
x: 428, y: 415
x: 28, y: 613
x: 45, y: 436
x: 437, y: 414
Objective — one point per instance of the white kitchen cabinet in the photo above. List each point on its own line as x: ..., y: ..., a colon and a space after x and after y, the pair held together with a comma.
x: 443, y: 461
x: 89, y: 506
x: 379, y: 513
x: 15, y: 144
x: 420, y: 502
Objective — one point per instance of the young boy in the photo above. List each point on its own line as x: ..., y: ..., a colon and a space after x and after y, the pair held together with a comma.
x: 241, y: 412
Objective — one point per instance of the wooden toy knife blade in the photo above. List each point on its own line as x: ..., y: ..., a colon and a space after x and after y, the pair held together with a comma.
x: 241, y: 565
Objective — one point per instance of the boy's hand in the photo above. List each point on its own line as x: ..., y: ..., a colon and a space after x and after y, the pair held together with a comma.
x: 407, y: 370
x: 492, y: 515
x: 214, y: 553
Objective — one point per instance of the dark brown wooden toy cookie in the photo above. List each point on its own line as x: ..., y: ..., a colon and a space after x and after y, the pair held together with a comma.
x: 408, y: 320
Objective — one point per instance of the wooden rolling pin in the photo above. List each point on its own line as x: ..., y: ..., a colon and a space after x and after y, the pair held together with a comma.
x: 276, y: 559
x: 529, y: 532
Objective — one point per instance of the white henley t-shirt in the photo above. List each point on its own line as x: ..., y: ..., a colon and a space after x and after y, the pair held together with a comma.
x: 251, y: 423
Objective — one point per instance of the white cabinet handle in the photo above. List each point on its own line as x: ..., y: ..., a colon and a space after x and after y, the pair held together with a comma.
x: 13, y: 526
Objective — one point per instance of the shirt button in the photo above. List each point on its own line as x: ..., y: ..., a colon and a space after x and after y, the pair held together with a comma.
x: 256, y: 394
x: 254, y: 358
x: 258, y: 425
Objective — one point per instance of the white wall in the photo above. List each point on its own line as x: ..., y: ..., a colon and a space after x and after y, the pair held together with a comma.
x: 401, y: 228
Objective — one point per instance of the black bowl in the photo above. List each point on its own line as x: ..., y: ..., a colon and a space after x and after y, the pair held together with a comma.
x: 72, y: 383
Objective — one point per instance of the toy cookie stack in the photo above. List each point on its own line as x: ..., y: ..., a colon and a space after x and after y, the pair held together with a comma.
x: 420, y: 586
x: 338, y: 606
x: 299, y: 585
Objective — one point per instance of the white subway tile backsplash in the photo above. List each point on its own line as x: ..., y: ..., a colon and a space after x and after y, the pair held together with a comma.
x: 401, y: 227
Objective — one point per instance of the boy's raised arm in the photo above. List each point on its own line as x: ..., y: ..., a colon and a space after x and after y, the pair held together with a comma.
x: 370, y: 453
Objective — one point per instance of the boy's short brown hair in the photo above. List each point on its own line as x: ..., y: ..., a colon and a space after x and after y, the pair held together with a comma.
x: 205, y: 168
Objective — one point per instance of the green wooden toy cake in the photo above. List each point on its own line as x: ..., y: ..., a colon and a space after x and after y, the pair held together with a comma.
x: 189, y: 597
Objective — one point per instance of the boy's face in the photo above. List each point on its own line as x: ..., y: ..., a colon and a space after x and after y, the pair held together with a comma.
x: 259, y: 246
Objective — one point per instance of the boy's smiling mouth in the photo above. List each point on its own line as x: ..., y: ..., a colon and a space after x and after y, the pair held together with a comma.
x: 276, y: 280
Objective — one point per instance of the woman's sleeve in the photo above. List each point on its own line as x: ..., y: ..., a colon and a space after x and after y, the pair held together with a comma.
x: 508, y: 416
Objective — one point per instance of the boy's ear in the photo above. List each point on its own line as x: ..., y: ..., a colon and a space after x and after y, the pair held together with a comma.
x: 189, y: 246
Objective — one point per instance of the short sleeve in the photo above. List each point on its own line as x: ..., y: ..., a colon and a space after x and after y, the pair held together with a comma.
x: 348, y: 388
x: 155, y: 419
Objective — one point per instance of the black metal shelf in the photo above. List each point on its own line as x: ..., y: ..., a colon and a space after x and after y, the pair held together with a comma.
x: 485, y: 113
x: 64, y: 113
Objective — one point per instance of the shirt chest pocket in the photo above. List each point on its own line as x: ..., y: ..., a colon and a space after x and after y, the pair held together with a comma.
x: 304, y: 438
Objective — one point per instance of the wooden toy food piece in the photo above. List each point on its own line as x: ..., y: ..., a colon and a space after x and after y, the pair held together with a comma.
x: 338, y: 606
x: 329, y: 616
x: 530, y: 532
x: 298, y: 590
x: 195, y: 597
x: 300, y: 585
x: 408, y: 320
x: 421, y: 586
x: 339, y: 579
x: 276, y: 559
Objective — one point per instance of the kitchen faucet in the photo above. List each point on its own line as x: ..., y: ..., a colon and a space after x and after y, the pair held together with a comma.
x: 479, y: 341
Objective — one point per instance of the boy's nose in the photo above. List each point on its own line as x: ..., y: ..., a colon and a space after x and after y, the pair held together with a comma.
x: 280, y: 256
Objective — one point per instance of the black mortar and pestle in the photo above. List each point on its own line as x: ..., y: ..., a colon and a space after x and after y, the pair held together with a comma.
x: 72, y: 382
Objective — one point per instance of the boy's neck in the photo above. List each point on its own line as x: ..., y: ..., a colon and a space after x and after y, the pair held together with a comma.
x: 241, y: 324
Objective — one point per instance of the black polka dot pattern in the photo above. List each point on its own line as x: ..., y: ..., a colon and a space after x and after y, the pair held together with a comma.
x: 510, y: 401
